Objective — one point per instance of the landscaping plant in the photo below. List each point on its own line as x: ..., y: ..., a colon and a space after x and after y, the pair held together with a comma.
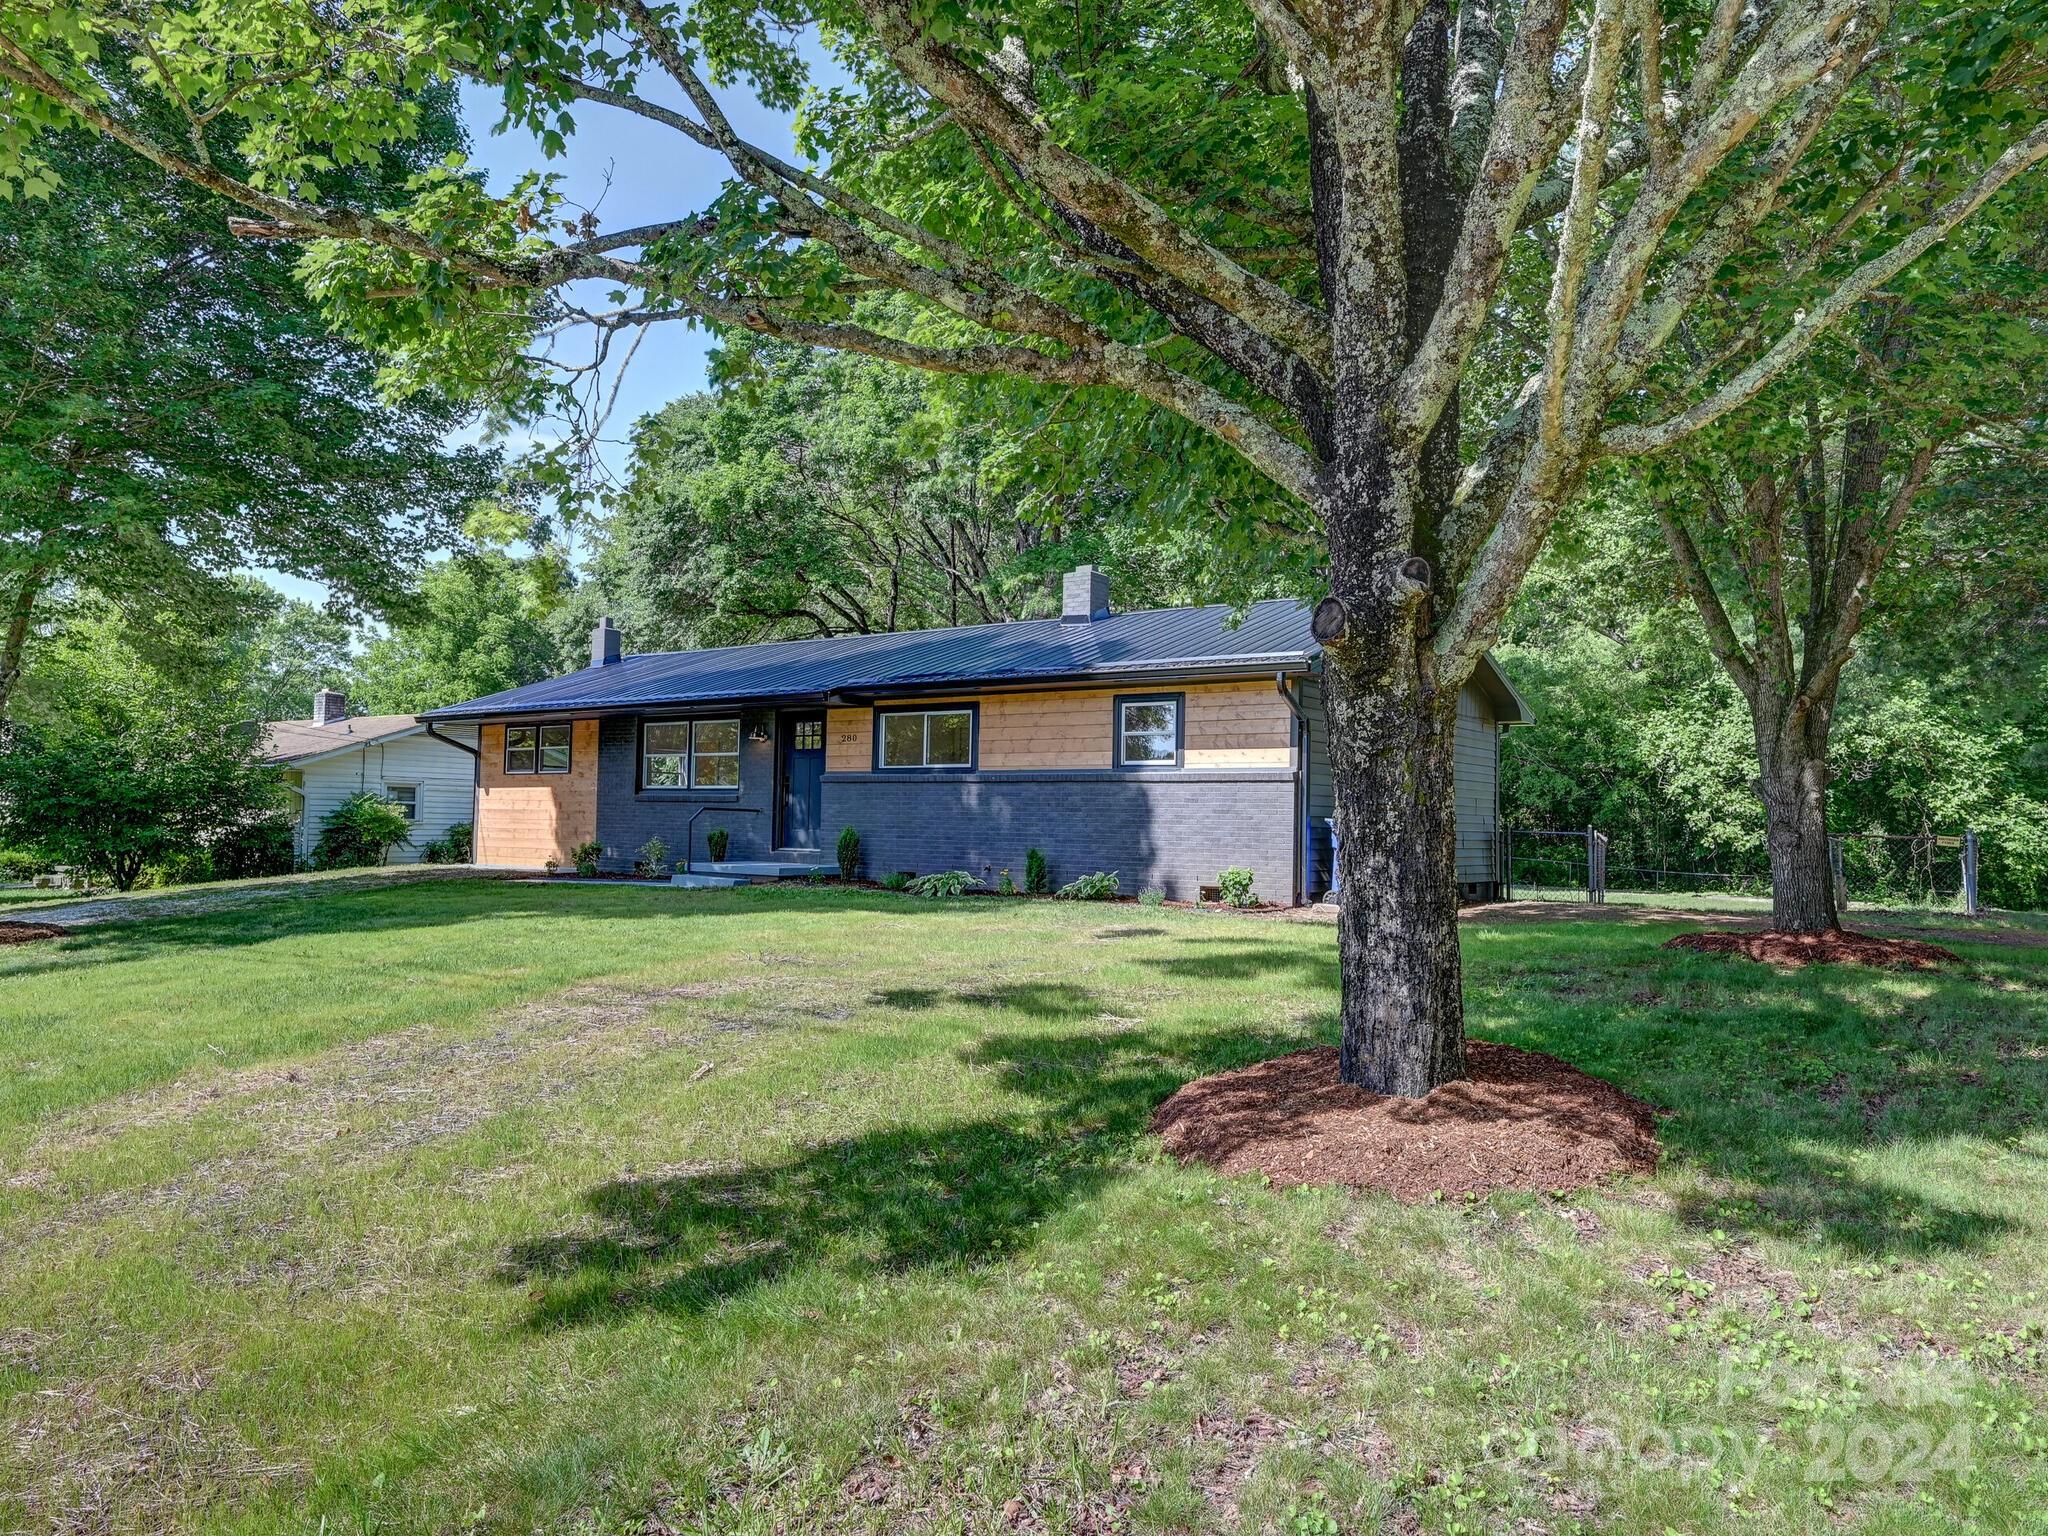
x: 1096, y: 887
x: 716, y: 842
x: 359, y: 832
x: 651, y: 862
x: 586, y: 856
x: 848, y: 852
x: 897, y: 880
x: 1037, y: 879
x: 455, y: 846
x: 1235, y: 885
x: 947, y: 882
x: 1152, y: 896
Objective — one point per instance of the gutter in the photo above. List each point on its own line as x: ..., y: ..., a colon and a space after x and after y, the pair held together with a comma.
x: 1301, y: 836
x: 476, y: 785
x: 475, y: 752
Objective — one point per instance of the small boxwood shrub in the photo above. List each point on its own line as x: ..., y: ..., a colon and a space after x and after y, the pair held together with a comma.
x: 849, y: 853
x: 1236, y: 888
x: 1098, y: 886
x: 1036, y: 879
x: 946, y: 882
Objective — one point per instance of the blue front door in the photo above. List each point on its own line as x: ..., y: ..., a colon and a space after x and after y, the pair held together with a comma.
x: 803, y: 779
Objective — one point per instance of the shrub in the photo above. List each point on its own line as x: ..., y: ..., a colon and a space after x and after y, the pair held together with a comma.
x: 1152, y: 896
x: 899, y: 881
x: 21, y: 864
x: 586, y: 856
x: 651, y: 859
x: 359, y: 832
x: 548, y: 867
x: 455, y: 846
x: 258, y: 847
x: 1236, y: 887
x: 1005, y: 886
x: 947, y: 882
x: 1036, y: 880
x: 183, y: 866
x: 1095, y: 887
x: 716, y: 842
x: 849, y: 853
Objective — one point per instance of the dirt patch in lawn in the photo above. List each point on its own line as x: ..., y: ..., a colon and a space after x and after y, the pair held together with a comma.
x: 1520, y: 1121
x: 1839, y: 947
x: 29, y: 933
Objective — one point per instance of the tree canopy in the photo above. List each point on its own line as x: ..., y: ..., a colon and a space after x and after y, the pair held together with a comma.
x: 178, y: 409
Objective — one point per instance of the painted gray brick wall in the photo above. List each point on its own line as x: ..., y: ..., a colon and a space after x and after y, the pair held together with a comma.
x: 627, y: 818
x: 1176, y: 831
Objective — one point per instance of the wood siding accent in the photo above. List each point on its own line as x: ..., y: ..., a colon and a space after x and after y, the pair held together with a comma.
x: 1228, y: 725
x: 525, y: 819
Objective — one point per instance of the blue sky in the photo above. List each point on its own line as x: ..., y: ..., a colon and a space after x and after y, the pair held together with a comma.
x: 633, y: 172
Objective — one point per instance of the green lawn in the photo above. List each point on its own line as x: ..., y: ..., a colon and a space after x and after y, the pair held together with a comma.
x: 501, y: 1207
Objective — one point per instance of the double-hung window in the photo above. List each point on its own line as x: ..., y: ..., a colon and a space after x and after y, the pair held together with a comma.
x: 1148, y: 732
x: 406, y: 797
x: 925, y: 738
x: 690, y: 754
x: 537, y: 748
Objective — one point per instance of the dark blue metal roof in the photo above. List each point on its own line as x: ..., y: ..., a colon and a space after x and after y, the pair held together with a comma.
x: 1273, y: 634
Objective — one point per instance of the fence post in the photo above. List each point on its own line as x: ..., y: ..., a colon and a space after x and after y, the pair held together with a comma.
x: 1969, y: 873
x: 1835, y: 869
x: 1507, y: 864
x: 1596, y: 866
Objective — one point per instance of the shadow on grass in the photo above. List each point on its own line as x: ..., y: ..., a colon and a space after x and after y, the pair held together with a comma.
x: 891, y: 1200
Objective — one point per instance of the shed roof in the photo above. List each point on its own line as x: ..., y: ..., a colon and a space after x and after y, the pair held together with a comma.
x: 1273, y: 635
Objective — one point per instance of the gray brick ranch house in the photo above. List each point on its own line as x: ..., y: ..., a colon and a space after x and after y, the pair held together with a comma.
x: 1165, y: 745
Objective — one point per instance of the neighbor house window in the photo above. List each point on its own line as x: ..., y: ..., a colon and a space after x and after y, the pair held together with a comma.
x: 406, y: 797
x: 925, y: 738
x: 536, y: 749
x: 1148, y: 732
x: 690, y: 754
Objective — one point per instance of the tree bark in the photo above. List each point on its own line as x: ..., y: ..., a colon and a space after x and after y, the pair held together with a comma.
x: 1390, y: 743
x: 14, y: 640
x: 1793, y: 787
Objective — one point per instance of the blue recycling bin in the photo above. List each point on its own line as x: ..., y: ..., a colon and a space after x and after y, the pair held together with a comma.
x: 1331, y: 823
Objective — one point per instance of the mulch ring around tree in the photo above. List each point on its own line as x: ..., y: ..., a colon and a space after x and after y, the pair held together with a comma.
x: 1521, y: 1120
x: 1839, y: 947
x: 29, y: 933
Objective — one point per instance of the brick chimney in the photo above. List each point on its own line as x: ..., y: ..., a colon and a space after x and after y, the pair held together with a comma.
x: 330, y: 706
x: 1084, y: 595
x: 604, y: 643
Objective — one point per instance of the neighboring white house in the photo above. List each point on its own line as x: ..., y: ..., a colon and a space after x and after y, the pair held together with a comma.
x: 333, y: 755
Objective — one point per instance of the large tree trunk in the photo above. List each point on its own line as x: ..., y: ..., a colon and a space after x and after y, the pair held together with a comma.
x: 1793, y: 785
x: 1390, y: 743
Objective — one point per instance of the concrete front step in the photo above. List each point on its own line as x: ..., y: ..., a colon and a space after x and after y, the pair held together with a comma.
x: 760, y: 869
x: 706, y: 882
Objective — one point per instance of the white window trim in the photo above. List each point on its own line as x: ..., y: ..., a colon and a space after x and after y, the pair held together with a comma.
x: 418, y: 796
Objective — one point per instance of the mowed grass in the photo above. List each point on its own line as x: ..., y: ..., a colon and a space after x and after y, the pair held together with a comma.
x: 481, y: 1206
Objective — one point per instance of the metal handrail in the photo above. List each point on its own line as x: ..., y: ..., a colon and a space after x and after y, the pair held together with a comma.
x: 690, y: 826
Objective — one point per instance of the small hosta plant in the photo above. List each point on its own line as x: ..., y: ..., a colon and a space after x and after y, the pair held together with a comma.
x: 586, y: 856
x: 716, y: 842
x: 849, y: 854
x: 1236, y: 888
x: 1099, y: 886
x: 1036, y: 879
x: 652, y: 859
x: 945, y: 882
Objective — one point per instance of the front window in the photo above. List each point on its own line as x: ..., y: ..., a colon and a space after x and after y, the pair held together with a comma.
x: 537, y: 748
x: 406, y: 797
x: 1148, y: 732
x: 690, y: 754
x: 927, y: 738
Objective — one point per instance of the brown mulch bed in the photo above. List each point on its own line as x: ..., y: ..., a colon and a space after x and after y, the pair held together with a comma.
x: 1840, y: 947
x: 29, y: 933
x: 1520, y: 1121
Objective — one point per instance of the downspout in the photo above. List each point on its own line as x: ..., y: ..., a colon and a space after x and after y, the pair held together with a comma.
x: 1301, y: 838
x: 476, y: 784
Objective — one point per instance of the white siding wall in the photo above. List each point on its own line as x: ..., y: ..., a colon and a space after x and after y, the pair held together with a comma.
x: 1478, y: 771
x: 445, y: 776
